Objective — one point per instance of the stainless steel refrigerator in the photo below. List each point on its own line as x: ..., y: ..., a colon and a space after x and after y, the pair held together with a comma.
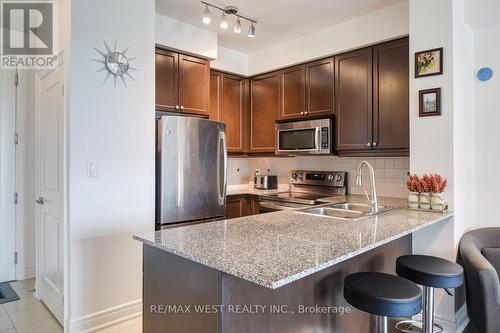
x: 191, y: 170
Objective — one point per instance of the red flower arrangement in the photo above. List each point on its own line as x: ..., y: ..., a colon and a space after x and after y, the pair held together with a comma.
x: 428, y: 183
x: 413, y: 183
x: 438, y: 183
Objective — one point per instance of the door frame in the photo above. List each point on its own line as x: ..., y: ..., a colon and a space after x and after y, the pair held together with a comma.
x: 40, y: 75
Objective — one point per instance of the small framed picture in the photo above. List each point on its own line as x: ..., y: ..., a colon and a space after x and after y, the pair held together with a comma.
x: 428, y: 63
x: 430, y: 102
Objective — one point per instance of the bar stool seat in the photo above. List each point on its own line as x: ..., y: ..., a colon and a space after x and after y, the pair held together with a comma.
x: 430, y: 271
x: 382, y: 294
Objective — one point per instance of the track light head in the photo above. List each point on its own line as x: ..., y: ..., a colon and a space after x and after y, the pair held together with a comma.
x: 206, y: 15
x: 223, y: 21
x: 251, y: 31
x: 237, y: 26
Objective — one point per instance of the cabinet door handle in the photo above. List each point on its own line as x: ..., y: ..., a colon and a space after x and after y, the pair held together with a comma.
x: 374, y: 144
x: 369, y: 144
x: 182, y: 107
x: 177, y: 107
x: 302, y: 113
x: 306, y: 112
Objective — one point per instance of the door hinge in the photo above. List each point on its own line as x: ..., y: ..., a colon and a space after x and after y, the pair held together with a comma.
x: 16, y: 138
x: 16, y: 80
x: 62, y: 88
x: 15, y: 198
x: 15, y: 257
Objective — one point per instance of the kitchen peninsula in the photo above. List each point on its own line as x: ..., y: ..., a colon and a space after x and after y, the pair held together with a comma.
x: 283, y: 261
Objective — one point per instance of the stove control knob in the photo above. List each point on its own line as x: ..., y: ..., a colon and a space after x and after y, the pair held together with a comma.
x: 301, y: 177
x: 331, y: 178
x: 294, y: 176
x: 338, y: 178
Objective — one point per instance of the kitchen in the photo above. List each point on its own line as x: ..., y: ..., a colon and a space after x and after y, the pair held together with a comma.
x: 278, y: 176
x: 213, y: 125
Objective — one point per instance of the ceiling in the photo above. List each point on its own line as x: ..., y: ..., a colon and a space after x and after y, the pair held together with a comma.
x: 279, y: 20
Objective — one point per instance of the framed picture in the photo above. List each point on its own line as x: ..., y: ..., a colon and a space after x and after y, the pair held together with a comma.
x: 428, y: 63
x: 429, y: 102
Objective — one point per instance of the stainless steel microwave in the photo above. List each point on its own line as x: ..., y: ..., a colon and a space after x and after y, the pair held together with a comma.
x: 305, y: 137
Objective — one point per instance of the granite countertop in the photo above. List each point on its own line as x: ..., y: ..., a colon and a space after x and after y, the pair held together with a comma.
x: 278, y: 248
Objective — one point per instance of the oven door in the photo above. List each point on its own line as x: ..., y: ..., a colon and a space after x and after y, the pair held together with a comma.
x: 304, y: 137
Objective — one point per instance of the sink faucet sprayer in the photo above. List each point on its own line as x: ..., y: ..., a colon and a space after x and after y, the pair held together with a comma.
x: 359, y: 182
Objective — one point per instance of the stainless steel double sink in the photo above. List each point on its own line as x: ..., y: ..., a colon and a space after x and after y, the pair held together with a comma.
x: 347, y: 210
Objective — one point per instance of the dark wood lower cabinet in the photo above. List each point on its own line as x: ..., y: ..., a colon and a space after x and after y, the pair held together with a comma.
x: 241, y: 205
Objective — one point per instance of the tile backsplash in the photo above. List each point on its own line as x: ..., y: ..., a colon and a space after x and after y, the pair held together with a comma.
x: 390, y: 173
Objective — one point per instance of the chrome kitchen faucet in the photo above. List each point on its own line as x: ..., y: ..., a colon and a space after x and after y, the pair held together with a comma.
x: 359, y: 182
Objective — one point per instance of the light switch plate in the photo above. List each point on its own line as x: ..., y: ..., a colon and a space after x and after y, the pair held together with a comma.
x: 92, y: 169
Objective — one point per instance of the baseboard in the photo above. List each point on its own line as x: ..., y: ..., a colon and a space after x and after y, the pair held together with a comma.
x: 109, y: 317
x: 26, y: 273
x: 462, y: 318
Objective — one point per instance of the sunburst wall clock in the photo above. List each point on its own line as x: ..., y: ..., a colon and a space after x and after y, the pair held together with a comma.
x: 115, y: 63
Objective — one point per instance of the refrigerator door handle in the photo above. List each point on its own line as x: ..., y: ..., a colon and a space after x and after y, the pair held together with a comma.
x: 220, y: 182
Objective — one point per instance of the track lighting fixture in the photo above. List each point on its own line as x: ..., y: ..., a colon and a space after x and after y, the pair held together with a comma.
x: 224, y: 23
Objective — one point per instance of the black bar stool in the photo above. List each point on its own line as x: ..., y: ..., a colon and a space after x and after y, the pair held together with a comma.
x: 383, y: 295
x: 429, y: 272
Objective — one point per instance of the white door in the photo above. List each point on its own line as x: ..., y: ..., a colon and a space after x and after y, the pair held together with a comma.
x: 50, y: 155
x: 7, y: 175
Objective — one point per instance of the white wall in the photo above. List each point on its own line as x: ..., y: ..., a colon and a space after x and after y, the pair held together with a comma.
x: 431, y: 138
x: 385, y: 24
x: 231, y: 61
x: 115, y: 128
x: 482, y: 13
x: 181, y: 36
x: 487, y: 102
x: 464, y: 151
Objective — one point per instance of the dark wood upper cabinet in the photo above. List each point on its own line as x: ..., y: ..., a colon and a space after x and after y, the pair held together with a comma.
x: 264, y: 109
x: 293, y: 92
x: 182, y: 83
x: 228, y: 104
x: 353, y: 94
x: 214, y: 105
x: 319, y: 85
x: 307, y: 90
x: 233, y: 112
x: 391, y: 95
x: 194, y: 84
x: 166, y: 80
